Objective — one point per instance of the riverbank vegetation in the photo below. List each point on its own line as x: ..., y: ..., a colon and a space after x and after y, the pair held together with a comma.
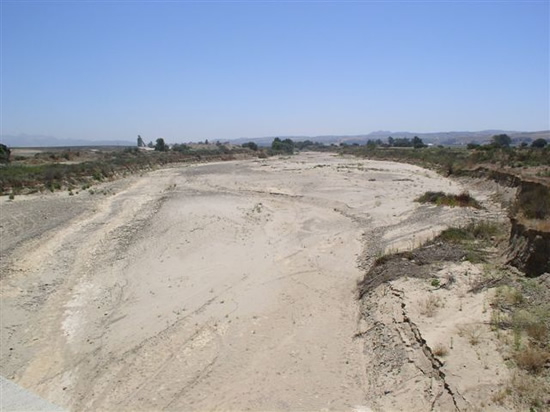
x: 51, y: 169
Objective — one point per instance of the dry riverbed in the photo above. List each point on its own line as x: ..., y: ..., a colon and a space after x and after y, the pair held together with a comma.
x: 226, y: 286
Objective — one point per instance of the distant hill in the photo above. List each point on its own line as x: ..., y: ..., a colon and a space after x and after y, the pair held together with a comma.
x: 24, y: 140
x: 437, y: 138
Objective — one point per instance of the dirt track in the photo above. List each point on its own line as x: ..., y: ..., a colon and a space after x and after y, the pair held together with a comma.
x: 218, y: 286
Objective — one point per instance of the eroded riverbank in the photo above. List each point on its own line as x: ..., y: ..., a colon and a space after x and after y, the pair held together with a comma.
x: 217, y: 286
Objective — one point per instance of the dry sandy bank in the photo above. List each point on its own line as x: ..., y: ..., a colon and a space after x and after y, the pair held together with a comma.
x: 219, y: 286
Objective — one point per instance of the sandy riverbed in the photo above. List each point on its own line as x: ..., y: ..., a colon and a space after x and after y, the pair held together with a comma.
x: 218, y: 286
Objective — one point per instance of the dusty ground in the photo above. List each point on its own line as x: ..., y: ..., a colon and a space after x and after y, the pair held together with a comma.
x: 219, y: 286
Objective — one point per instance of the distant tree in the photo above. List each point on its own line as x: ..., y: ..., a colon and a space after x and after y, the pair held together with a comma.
x: 282, y: 146
x: 539, y: 143
x: 5, y: 153
x: 304, y: 144
x: 250, y: 145
x: 501, y: 140
x: 371, y: 145
x: 402, y: 142
x: 140, y: 141
x: 182, y: 148
x: 151, y: 145
x: 206, y: 141
x: 224, y: 149
x: 417, y: 142
x: 391, y: 141
x: 472, y: 145
x: 160, y: 146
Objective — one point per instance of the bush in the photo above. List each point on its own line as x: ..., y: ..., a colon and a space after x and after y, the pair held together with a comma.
x: 282, y: 146
x: 539, y: 143
x: 181, y: 148
x: 4, y: 153
x: 484, y: 230
x: 456, y: 235
x: 532, y: 359
x: 160, y: 145
x: 430, y: 305
x: 538, y: 332
x: 501, y: 140
x: 440, y: 198
x: 251, y: 145
x: 507, y: 297
x: 440, y: 350
x: 471, y: 332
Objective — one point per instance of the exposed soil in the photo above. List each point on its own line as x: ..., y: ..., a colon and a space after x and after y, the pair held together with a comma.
x: 227, y: 286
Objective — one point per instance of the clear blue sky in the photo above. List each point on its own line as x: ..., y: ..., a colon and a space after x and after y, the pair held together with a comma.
x: 195, y: 70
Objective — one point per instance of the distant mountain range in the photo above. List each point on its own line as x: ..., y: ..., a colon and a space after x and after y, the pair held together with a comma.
x: 437, y: 138
x: 25, y: 140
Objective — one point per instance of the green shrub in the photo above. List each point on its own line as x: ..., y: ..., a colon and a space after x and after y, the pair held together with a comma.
x: 440, y: 198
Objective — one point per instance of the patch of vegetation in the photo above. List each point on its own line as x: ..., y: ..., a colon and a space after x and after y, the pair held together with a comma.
x: 5, y: 153
x: 482, y: 230
x: 471, y: 332
x: 48, y: 171
x: 282, y: 146
x: 474, y: 238
x: 452, y: 245
x: 429, y: 306
x: 455, y: 160
x: 521, y: 318
x: 160, y: 145
x: 539, y: 143
x: 446, y: 199
x: 532, y: 359
x: 181, y: 148
x: 440, y: 350
x: 528, y: 391
x: 251, y: 145
x: 456, y: 235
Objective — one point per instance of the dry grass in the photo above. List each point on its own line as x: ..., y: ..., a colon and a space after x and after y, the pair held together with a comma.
x: 500, y: 397
x: 471, y: 332
x: 532, y: 359
x: 507, y: 297
x: 440, y: 350
x: 523, y: 310
x: 500, y: 320
x: 529, y: 393
x: 538, y: 332
x: 430, y: 305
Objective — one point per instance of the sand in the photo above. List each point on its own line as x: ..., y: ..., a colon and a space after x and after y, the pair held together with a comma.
x: 222, y: 286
